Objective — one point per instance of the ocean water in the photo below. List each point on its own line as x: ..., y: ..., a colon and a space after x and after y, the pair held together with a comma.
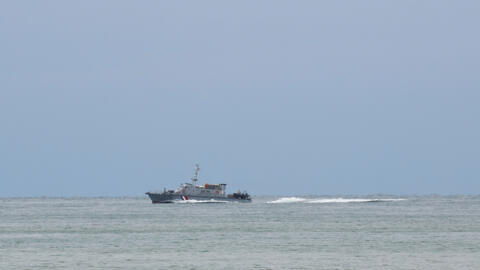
x: 315, y: 232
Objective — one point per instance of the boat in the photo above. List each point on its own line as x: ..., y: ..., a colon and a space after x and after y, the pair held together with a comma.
x: 194, y: 192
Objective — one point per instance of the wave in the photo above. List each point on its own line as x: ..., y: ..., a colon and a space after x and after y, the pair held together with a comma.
x: 342, y: 200
x: 333, y: 200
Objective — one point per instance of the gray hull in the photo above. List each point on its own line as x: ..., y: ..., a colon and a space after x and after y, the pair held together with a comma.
x: 170, y: 198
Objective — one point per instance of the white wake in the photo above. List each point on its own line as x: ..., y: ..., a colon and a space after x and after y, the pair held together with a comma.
x: 288, y: 200
x: 333, y: 200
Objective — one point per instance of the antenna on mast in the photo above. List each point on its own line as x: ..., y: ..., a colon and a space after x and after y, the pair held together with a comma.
x: 195, y: 176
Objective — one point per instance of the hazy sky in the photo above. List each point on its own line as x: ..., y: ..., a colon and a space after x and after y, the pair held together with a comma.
x: 107, y: 98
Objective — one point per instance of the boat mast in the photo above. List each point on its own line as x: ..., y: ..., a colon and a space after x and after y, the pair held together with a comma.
x: 195, y: 176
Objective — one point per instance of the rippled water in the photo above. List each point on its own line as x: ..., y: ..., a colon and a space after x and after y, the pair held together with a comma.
x: 375, y: 232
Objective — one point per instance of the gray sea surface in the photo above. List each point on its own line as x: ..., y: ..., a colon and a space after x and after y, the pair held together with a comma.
x: 309, y: 232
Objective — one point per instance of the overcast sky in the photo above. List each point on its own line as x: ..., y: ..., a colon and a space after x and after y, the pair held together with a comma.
x: 109, y: 98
